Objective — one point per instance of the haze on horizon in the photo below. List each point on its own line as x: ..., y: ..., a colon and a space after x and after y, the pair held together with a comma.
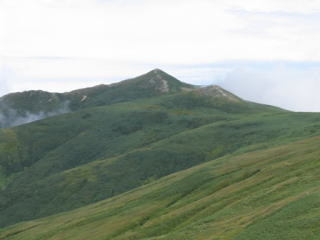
x: 266, y: 51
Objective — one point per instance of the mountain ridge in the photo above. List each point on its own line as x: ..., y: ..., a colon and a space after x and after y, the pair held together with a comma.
x: 24, y: 107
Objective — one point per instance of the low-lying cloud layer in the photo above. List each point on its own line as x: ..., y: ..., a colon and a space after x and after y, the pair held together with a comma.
x: 292, y: 88
x: 10, y: 117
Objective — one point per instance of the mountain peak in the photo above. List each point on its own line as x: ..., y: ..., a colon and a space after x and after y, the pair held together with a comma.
x: 160, y: 81
x: 159, y: 74
x: 157, y: 71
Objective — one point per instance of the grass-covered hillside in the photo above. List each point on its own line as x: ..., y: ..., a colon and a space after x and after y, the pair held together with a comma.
x: 262, y: 195
x: 130, y: 134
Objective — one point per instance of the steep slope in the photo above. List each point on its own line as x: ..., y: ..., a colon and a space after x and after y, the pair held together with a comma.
x: 267, y: 194
x: 20, y: 108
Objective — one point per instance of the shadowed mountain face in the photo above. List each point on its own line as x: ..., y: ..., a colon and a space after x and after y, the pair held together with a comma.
x: 121, y: 136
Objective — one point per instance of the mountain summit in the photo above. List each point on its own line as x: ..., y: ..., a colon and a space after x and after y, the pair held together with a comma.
x: 157, y: 81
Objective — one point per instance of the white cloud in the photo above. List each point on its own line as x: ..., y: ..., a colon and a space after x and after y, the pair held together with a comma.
x: 163, y: 31
x: 60, y: 45
x: 66, y: 74
x: 4, y: 75
x: 288, y: 87
x: 290, y: 6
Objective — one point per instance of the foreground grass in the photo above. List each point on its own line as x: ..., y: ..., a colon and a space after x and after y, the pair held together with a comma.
x: 268, y: 194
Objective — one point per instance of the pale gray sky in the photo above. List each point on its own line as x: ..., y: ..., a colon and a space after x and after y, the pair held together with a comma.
x: 266, y: 50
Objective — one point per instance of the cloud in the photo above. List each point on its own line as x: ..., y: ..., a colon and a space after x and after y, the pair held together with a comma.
x: 10, y: 117
x: 59, y: 74
x: 191, y: 31
x: 289, y: 6
x: 67, y: 44
x: 3, y: 86
x: 4, y: 75
x: 290, y: 87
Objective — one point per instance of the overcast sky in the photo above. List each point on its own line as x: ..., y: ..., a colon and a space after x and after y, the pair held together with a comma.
x: 263, y: 50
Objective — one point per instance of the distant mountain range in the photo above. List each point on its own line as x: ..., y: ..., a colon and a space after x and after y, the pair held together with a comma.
x: 155, y: 158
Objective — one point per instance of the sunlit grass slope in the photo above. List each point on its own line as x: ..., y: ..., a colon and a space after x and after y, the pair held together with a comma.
x: 267, y: 194
x: 72, y: 160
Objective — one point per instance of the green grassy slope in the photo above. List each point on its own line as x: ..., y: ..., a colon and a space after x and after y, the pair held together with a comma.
x: 147, y: 127
x: 130, y: 140
x: 266, y: 194
x: 75, y: 159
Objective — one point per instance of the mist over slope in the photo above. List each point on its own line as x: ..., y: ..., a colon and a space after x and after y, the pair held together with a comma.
x: 10, y: 117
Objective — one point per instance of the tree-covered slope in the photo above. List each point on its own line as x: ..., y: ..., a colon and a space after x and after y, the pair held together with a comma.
x: 266, y: 194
